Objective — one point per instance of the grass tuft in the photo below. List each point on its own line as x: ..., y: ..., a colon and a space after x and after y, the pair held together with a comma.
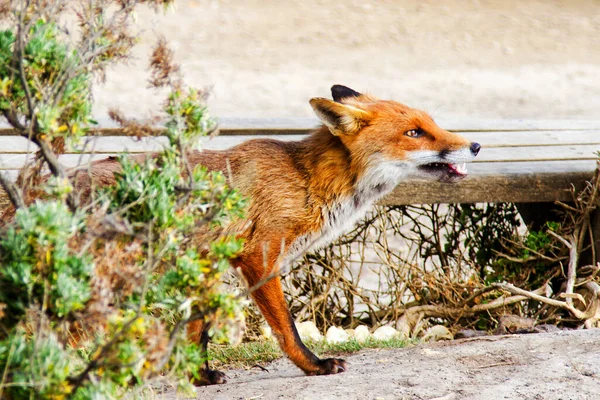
x: 249, y: 354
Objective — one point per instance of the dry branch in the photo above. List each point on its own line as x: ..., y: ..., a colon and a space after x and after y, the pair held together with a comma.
x: 534, y: 296
x: 440, y: 311
x: 13, y: 192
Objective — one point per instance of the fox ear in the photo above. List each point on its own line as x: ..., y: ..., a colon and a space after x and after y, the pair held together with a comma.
x: 341, y: 119
x: 339, y: 92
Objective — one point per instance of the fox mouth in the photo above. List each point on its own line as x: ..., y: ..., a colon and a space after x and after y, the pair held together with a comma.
x: 446, y: 172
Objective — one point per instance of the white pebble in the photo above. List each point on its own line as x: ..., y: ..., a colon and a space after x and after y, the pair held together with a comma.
x: 336, y: 335
x: 385, y: 333
x: 308, y: 331
x: 361, y: 333
x: 437, y: 332
x: 266, y: 331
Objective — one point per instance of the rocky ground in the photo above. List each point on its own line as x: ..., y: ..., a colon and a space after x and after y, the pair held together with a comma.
x: 545, y: 366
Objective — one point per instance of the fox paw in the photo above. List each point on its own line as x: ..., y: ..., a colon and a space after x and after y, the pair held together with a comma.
x: 211, y: 377
x: 330, y: 366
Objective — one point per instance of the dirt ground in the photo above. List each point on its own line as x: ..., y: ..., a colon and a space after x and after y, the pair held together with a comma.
x: 480, y: 59
x: 546, y: 366
x: 454, y: 58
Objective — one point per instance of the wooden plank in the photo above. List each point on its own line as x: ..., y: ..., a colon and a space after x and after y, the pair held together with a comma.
x: 110, y: 146
x: 538, y: 153
x: 487, y: 155
x: 519, y: 182
x: 452, y: 124
x: 489, y: 138
x: 542, y: 168
x: 227, y: 127
x: 105, y: 144
x: 533, y: 138
x: 493, y: 182
x: 16, y: 161
x: 292, y: 126
x: 501, y: 125
x: 11, y: 174
x: 482, y: 170
x: 518, y: 188
x: 116, y: 144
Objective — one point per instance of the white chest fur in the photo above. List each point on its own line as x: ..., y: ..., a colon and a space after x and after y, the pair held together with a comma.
x: 340, y: 216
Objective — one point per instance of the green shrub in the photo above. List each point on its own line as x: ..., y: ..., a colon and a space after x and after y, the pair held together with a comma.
x: 97, y: 288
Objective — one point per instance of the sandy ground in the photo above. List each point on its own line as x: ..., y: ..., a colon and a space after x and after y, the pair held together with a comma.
x: 454, y: 58
x: 548, y: 366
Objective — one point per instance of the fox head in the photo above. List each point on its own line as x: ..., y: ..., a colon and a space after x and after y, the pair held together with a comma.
x: 393, y: 140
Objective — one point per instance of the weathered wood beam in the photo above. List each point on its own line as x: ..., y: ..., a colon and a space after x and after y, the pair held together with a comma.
x: 293, y: 126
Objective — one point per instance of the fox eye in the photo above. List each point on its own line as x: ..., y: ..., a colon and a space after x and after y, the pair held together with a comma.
x: 414, y: 133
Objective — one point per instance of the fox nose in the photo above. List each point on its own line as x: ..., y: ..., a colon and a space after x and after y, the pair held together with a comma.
x: 475, y: 147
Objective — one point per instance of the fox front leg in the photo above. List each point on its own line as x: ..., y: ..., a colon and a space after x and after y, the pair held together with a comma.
x: 271, y: 302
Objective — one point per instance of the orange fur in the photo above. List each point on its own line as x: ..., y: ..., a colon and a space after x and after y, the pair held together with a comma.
x: 289, y: 184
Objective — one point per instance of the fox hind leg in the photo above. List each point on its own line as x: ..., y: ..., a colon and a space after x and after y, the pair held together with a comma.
x: 198, y: 332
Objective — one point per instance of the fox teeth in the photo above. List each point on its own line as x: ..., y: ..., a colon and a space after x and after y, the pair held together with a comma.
x: 462, y: 168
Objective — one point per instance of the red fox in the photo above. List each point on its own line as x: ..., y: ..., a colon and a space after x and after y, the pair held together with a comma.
x: 303, y: 195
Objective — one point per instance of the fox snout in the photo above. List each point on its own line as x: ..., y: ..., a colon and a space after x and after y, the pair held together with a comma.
x: 447, y: 165
x: 474, y: 148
